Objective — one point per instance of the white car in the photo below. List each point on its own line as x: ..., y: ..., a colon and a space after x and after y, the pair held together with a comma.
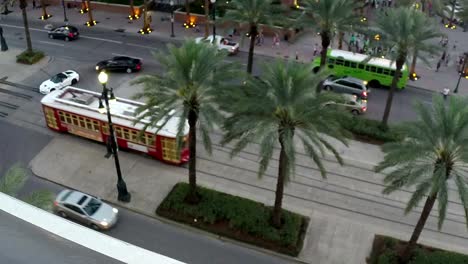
x: 221, y: 43
x: 59, y: 81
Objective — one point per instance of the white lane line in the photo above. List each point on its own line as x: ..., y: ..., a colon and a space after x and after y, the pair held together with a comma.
x: 140, y: 46
x: 125, y: 55
x: 34, y: 29
x: 51, y: 43
x: 101, y: 39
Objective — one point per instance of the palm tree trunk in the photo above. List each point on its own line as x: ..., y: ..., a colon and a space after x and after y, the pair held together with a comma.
x: 187, y: 11
x: 132, y: 9
x: 282, y: 169
x: 192, y: 196
x: 23, y: 5
x: 340, y: 40
x: 396, y: 77
x: 90, y: 13
x: 145, y: 15
x: 44, y: 11
x: 413, y: 63
x: 207, y: 18
x: 325, y: 35
x: 253, y: 34
x: 419, y: 227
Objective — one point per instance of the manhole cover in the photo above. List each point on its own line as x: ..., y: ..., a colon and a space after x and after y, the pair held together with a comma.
x: 120, y: 30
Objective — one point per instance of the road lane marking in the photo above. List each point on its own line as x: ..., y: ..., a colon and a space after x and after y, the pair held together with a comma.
x: 35, y: 29
x: 124, y: 55
x: 51, y: 43
x: 140, y: 46
x: 102, y: 39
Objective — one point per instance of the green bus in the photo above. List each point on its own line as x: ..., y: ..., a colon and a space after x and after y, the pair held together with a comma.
x: 376, y: 71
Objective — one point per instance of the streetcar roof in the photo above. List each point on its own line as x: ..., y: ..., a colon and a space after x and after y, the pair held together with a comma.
x: 86, y: 103
x: 357, y: 57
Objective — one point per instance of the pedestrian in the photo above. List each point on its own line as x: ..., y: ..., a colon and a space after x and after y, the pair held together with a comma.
x: 34, y: 4
x: 297, y: 56
x: 389, y: 3
x: 262, y: 38
x: 443, y: 55
x: 447, y: 59
x: 445, y: 92
x: 438, y: 65
x: 315, y: 49
x: 352, y: 40
x: 276, y: 40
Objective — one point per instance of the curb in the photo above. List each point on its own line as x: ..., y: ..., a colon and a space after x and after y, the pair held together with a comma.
x: 186, y: 227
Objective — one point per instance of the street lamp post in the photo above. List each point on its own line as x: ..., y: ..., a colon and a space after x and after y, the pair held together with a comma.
x: 462, y: 73
x: 172, y: 18
x: 214, y: 19
x: 123, y: 194
x: 65, y: 19
x: 3, y: 44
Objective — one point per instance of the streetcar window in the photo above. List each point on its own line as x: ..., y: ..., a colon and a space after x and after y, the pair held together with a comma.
x: 82, y: 122
x: 118, y: 131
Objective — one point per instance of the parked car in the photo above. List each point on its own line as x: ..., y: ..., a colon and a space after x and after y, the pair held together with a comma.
x: 59, y: 81
x: 120, y: 63
x: 85, y: 209
x: 347, y: 85
x: 351, y: 103
x: 221, y: 43
x: 66, y: 33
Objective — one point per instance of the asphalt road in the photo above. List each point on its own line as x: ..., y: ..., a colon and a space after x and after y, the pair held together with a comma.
x: 98, y: 44
x: 23, y: 242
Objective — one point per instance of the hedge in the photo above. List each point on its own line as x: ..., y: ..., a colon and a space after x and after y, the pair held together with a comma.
x: 122, y: 2
x: 370, y: 130
x: 235, y: 217
x: 30, y: 58
x: 384, y: 251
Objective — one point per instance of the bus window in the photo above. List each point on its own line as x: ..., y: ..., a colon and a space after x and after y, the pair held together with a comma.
x: 367, y: 68
x: 339, y: 62
x: 386, y: 72
x: 392, y: 73
x: 331, y: 61
x: 373, y: 68
x: 361, y: 66
x: 353, y: 65
x: 331, y: 66
x: 346, y: 63
x: 379, y: 70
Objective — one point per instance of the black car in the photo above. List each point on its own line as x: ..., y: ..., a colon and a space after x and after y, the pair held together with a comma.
x: 66, y: 33
x: 120, y: 63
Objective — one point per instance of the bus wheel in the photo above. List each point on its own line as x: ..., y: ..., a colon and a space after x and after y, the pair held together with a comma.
x: 316, y: 69
x: 374, y: 84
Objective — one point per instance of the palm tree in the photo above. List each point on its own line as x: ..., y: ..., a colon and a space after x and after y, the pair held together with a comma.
x: 430, y: 31
x: 14, y: 180
x: 283, y: 104
x: 45, y: 15
x: 194, y: 73
x: 463, y: 14
x: 329, y: 16
x: 433, y: 154
x: 400, y: 32
x: 23, y: 5
x: 253, y: 13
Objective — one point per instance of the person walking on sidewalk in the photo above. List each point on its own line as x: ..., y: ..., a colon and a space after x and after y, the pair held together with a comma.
x: 447, y: 59
x: 438, y: 65
x: 34, y: 4
x: 445, y: 92
x: 315, y: 49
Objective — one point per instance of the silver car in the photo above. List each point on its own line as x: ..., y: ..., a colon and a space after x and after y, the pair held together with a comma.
x: 347, y: 85
x: 85, y: 209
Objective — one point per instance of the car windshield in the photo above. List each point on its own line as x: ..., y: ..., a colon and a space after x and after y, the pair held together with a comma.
x: 92, y: 206
x: 57, y: 78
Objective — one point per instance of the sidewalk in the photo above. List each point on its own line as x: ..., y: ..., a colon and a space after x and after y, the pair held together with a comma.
x: 304, y: 45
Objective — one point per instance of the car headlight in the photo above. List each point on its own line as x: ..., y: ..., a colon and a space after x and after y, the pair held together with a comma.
x: 115, y: 210
x: 364, y: 82
x: 104, y: 223
x: 97, y: 68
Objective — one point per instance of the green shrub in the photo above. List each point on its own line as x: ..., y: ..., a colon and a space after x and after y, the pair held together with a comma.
x: 243, y: 217
x: 388, y: 257
x: 438, y: 257
x: 371, y: 129
x: 30, y: 57
x: 121, y: 2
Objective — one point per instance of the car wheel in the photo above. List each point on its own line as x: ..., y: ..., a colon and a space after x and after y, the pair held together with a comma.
x: 62, y: 214
x: 51, y: 36
x: 374, y: 84
x: 74, y: 81
x: 355, y: 112
x: 67, y: 39
x: 51, y: 90
x: 129, y: 70
x: 327, y: 88
x: 95, y: 227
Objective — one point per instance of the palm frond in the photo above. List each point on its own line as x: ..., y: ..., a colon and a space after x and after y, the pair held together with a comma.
x: 42, y: 199
x: 13, y: 180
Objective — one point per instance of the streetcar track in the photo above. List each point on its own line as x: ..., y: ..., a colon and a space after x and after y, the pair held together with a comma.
x: 8, y: 105
x: 341, y: 193
x: 222, y: 148
x: 17, y: 94
x: 335, y: 206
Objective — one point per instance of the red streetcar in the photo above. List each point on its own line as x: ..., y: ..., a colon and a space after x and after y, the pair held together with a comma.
x: 75, y: 111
